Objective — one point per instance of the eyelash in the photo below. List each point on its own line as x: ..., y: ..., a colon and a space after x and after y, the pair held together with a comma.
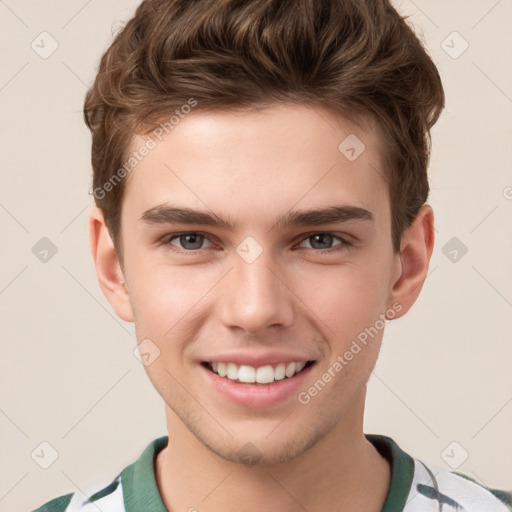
x: 167, y: 239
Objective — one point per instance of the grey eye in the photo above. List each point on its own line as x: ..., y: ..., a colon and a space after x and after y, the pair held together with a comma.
x: 189, y: 241
x: 321, y: 240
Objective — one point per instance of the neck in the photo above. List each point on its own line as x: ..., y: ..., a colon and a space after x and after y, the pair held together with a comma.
x: 342, y: 468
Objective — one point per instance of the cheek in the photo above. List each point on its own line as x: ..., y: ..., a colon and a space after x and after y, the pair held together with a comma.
x: 166, y: 298
x: 346, y: 299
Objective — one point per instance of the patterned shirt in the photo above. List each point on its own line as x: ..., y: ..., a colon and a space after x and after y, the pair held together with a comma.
x: 414, y: 487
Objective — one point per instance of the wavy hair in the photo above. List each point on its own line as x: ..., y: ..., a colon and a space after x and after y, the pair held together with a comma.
x: 351, y: 56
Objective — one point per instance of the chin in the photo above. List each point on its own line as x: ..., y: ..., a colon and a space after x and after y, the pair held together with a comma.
x: 265, y: 451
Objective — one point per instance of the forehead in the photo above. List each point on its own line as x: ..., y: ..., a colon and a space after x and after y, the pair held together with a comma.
x: 265, y: 160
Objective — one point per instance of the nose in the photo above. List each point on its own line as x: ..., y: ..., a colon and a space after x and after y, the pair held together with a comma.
x: 255, y: 296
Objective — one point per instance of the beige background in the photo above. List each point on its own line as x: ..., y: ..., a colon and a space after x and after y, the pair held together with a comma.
x: 68, y: 374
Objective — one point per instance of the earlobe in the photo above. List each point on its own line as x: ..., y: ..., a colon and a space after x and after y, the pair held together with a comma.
x: 108, y: 268
x: 414, y: 258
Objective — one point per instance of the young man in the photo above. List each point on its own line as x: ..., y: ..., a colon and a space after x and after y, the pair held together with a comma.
x: 260, y: 176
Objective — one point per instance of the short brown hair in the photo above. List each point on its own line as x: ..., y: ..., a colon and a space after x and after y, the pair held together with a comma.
x: 351, y: 56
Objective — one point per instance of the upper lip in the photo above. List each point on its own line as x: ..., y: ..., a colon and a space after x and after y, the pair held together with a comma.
x: 257, y: 360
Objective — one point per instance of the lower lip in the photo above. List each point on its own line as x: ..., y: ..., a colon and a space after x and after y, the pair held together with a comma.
x: 257, y: 395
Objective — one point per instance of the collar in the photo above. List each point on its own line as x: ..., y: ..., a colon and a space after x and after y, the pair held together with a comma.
x: 140, y: 490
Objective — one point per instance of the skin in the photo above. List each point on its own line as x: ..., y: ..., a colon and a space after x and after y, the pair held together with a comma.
x: 252, y: 167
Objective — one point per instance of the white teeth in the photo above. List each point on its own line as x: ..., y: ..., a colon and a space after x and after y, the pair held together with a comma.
x: 246, y: 374
x: 262, y: 375
x: 232, y: 371
x: 221, y: 369
x: 280, y: 371
x: 290, y: 369
x: 300, y: 366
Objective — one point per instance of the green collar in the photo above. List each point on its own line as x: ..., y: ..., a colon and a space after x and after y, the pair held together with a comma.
x: 402, y: 471
x: 141, y: 492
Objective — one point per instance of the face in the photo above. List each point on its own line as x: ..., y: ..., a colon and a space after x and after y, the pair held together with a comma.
x: 252, y: 242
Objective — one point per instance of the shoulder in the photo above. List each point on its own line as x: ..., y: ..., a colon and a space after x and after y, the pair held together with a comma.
x: 135, y: 485
x: 108, y: 498
x: 449, y: 491
x: 56, y: 505
x: 419, y: 487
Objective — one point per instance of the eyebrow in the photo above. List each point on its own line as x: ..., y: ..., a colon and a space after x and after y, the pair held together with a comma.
x: 167, y: 214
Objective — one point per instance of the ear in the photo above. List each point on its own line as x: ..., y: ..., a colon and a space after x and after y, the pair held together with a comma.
x: 413, y: 259
x: 108, y: 268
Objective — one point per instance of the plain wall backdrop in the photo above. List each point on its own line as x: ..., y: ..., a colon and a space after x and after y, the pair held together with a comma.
x: 442, y: 387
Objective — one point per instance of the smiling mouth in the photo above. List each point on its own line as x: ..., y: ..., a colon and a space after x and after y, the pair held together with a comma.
x: 267, y: 374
